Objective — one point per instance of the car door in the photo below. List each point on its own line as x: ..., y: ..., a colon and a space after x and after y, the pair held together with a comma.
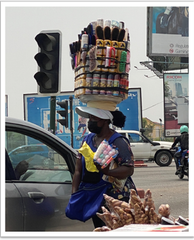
x: 13, y: 199
x: 14, y: 208
x: 42, y: 190
x: 140, y: 147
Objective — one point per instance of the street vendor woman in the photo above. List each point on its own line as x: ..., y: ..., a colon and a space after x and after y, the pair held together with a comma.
x: 120, y: 172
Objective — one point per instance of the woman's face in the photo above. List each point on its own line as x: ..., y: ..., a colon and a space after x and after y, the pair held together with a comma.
x: 95, y: 124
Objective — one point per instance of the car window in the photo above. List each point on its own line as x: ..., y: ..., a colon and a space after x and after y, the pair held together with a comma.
x: 130, y: 138
x: 34, y: 161
x: 135, y: 138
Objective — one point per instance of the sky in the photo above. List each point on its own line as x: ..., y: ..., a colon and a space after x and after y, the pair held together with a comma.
x: 23, y: 21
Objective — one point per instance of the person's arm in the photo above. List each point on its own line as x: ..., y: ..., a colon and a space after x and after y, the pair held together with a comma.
x: 77, y: 175
x: 125, y: 165
x: 177, y: 140
x: 121, y: 172
x: 21, y: 168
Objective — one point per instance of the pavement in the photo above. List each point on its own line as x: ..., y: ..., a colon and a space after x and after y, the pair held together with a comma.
x: 166, y: 187
x: 140, y: 163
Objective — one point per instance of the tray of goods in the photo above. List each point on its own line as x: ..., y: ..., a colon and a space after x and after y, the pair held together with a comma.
x: 100, y: 59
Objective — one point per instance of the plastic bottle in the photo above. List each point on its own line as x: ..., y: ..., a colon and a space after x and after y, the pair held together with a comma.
x: 95, y: 83
x: 103, y: 84
x: 116, y: 84
x: 94, y: 24
x: 103, y: 145
x: 127, y: 68
x: 84, y: 42
x: 107, y: 23
x: 126, y: 89
x: 110, y: 84
x: 88, y: 83
x: 100, y: 22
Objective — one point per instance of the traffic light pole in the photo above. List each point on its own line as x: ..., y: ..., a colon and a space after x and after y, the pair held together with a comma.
x: 52, y: 113
x: 71, y: 118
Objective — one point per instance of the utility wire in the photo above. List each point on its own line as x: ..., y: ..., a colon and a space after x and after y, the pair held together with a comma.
x: 151, y: 106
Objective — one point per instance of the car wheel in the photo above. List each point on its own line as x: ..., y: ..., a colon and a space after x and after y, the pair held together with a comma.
x: 163, y: 158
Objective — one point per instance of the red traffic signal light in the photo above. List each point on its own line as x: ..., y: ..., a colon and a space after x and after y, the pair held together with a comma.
x: 48, y: 60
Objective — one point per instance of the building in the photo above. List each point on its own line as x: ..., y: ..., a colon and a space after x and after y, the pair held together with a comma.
x: 157, y: 130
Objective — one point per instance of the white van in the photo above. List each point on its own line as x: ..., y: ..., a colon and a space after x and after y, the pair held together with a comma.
x: 147, y: 150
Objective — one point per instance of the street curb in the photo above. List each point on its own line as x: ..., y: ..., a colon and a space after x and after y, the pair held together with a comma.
x: 139, y: 163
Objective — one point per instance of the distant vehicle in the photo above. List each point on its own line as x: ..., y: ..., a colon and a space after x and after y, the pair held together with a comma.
x: 145, y: 149
x: 26, y: 152
x: 183, y: 160
x: 35, y: 199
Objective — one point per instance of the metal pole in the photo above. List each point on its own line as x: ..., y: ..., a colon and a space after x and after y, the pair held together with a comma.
x: 52, y: 113
x: 71, y: 118
x: 160, y: 128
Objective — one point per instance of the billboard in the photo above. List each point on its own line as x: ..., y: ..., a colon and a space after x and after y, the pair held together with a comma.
x: 168, y: 31
x: 176, y: 102
x: 37, y: 110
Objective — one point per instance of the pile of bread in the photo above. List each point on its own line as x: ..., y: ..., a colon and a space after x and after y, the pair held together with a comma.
x: 136, y: 211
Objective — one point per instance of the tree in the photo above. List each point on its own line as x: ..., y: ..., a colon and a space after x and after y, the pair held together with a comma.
x: 166, y: 89
x: 148, y: 128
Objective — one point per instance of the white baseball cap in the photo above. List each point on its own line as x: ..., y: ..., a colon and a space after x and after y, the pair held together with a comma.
x: 100, y: 113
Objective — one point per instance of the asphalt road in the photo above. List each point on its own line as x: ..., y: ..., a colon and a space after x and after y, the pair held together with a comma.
x: 165, y: 186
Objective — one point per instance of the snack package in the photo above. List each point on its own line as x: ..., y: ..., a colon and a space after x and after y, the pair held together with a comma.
x: 118, y: 183
x: 105, y: 154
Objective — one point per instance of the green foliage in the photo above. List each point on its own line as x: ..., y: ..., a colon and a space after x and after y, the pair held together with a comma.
x: 166, y: 89
x: 148, y: 128
x: 14, y: 140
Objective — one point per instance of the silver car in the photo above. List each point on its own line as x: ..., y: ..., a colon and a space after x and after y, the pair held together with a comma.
x: 37, y: 194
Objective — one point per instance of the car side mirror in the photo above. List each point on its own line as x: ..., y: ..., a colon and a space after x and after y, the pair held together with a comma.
x: 142, y: 130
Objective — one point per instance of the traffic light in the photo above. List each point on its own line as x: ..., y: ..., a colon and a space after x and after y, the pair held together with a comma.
x: 63, y: 113
x: 48, y: 59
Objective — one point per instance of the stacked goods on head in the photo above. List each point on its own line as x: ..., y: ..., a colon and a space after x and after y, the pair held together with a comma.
x: 101, y: 62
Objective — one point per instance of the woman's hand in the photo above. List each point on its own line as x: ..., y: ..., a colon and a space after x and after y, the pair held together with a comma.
x: 104, y: 170
x: 120, y: 172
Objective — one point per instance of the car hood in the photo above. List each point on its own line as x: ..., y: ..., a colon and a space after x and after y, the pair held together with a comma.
x: 164, y: 144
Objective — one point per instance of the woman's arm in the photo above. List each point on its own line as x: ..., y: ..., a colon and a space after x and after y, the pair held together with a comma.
x: 121, y: 172
x: 124, y: 160
x: 77, y: 175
